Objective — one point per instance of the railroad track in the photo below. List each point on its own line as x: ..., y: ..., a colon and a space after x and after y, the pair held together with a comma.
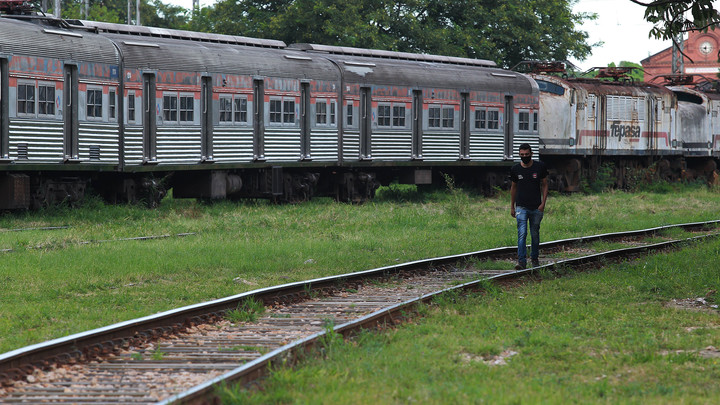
x: 179, y: 356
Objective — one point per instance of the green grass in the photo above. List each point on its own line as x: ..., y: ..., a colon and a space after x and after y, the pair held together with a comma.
x: 66, y: 287
x: 600, y: 337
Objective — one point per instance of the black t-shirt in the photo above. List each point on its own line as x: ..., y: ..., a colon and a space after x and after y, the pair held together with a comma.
x: 529, y: 181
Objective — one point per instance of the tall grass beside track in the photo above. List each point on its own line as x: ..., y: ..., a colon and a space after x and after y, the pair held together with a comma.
x: 51, y: 285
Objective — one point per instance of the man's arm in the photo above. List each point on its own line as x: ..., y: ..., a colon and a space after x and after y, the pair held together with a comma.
x: 544, y: 189
x: 513, y: 194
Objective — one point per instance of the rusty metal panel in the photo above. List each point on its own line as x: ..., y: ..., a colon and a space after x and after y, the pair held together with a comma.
x: 168, y: 54
x: 28, y: 39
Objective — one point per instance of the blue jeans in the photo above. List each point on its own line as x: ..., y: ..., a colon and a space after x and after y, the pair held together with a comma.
x: 523, y: 216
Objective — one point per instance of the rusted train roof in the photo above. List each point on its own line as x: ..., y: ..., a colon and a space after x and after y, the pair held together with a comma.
x: 607, y: 87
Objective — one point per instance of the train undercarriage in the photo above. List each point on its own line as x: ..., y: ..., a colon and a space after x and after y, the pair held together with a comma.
x: 626, y: 172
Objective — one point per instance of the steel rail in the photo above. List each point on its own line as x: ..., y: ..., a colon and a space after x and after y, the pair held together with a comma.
x: 92, y: 343
x: 203, y: 393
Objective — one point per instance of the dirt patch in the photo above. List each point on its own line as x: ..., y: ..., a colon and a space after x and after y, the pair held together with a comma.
x: 710, y: 352
x: 490, y: 360
x: 692, y: 304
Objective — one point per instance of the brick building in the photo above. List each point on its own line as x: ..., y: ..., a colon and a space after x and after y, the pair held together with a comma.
x: 700, y: 47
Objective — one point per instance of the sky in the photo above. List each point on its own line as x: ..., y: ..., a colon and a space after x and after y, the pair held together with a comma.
x: 620, y: 26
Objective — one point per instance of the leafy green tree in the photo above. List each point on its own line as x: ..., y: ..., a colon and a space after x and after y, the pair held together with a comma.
x: 505, y: 31
x: 673, y: 17
x: 154, y: 14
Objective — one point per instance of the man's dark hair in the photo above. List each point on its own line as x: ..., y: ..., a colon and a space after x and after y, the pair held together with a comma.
x: 524, y: 146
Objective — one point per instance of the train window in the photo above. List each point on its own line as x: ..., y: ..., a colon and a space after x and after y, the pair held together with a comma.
x: 590, y: 109
x: 225, y: 107
x: 187, y: 108
x: 170, y: 108
x: 241, y: 109
x: 398, y: 116
x: 448, y: 119
x: 282, y: 111
x: 93, y: 103
x: 550, y: 87
x: 523, y: 121
x: 383, y: 115
x: 332, y: 112
x: 26, y: 99
x: 493, y: 119
x: 131, y: 108
x: 349, y: 113
x: 535, y: 121
x: 46, y: 100
x: 321, y: 112
x: 289, y: 111
x: 112, y: 101
x: 434, y: 117
x: 275, y: 111
x: 391, y: 115
x: 480, y: 117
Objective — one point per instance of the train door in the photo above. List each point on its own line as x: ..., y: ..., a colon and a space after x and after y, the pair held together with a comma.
x: 465, y: 126
x: 417, y: 125
x: 4, y: 110
x: 365, y: 123
x: 149, y: 119
x: 259, y: 119
x: 601, y: 134
x: 304, y: 120
x: 70, y: 114
x: 206, y: 123
x: 508, y: 127
x: 651, y: 129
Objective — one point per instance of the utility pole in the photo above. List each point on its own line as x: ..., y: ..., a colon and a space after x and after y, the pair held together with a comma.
x: 678, y: 63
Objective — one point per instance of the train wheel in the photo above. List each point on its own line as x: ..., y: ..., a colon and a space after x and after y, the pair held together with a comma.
x: 356, y: 187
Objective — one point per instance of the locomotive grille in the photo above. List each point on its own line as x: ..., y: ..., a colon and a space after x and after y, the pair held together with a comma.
x: 22, y: 151
x: 94, y: 152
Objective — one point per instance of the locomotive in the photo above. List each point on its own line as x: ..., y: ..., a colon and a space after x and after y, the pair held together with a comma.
x: 132, y: 112
x: 670, y: 131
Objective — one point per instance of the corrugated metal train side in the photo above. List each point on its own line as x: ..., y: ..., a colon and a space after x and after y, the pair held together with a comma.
x: 134, y: 111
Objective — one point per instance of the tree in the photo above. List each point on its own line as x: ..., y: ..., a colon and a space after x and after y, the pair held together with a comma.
x: 673, y: 17
x: 153, y: 14
x: 505, y: 31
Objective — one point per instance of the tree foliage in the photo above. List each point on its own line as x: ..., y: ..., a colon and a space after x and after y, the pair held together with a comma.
x: 673, y: 17
x: 505, y: 31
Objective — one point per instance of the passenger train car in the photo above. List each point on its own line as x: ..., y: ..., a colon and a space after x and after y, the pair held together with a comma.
x: 586, y: 123
x: 134, y: 111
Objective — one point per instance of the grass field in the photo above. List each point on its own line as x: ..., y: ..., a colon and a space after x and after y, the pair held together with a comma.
x: 53, y: 284
x: 614, y: 336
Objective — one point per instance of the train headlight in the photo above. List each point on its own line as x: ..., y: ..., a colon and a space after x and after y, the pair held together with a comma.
x: 571, y: 141
x: 674, y: 143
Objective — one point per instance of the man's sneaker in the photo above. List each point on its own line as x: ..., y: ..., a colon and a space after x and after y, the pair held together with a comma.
x: 519, y: 266
x: 535, y: 262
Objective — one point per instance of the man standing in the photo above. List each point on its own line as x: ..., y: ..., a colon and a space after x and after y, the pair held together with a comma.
x: 528, y: 194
